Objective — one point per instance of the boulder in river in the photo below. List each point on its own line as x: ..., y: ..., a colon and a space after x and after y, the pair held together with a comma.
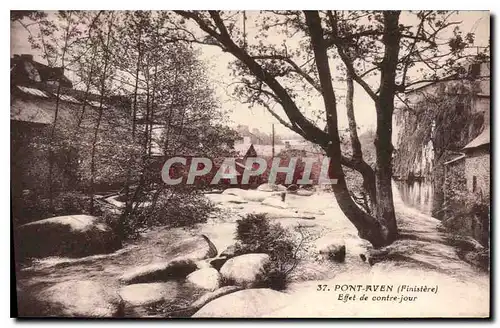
x: 81, y: 298
x: 66, y: 236
x: 304, y: 192
x: 208, y: 278
x: 194, y: 248
x: 144, y: 294
x: 234, y: 191
x: 225, y: 198
x: 249, y: 195
x: 249, y: 303
x: 163, y: 271
x: 271, y: 187
x: 229, y: 252
x: 245, y: 270
x: 190, y: 252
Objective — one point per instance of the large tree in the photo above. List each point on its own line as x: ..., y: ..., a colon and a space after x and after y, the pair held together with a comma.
x: 374, y: 49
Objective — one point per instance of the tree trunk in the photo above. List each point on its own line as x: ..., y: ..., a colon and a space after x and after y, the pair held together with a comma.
x: 371, y: 228
x: 357, y: 154
x: 368, y: 227
x: 99, y: 119
x: 385, y: 109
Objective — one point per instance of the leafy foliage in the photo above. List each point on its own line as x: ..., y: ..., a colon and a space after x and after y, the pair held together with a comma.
x: 445, y: 119
x: 151, y: 100
x: 255, y: 234
x: 33, y: 206
x: 166, y: 208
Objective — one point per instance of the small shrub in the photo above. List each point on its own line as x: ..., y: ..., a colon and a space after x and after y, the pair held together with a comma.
x: 255, y: 234
x: 33, y: 207
x: 273, y: 276
x: 227, y: 281
x: 468, y: 215
x: 170, y: 209
x: 337, y: 254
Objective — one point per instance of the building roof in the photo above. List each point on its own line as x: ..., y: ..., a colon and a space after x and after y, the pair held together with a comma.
x: 42, y: 112
x: 480, y: 140
x: 36, y: 103
x: 261, y: 150
x: 23, y: 69
x: 34, y: 93
x: 462, y: 156
x: 267, y: 150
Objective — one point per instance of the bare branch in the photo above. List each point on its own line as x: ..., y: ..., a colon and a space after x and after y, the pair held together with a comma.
x: 296, y: 68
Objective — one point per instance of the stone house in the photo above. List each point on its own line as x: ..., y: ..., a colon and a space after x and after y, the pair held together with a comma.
x: 477, y: 165
x: 470, y: 93
x: 472, y: 165
x: 33, y: 103
x: 469, y: 172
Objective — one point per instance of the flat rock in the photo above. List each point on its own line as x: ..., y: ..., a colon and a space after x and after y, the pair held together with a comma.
x: 163, y: 271
x: 208, y: 278
x: 284, y: 213
x: 67, y: 236
x: 144, y: 294
x: 304, y: 192
x: 81, y: 298
x: 194, y: 248
x: 225, y: 198
x: 244, y: 270
x: 271, y: 187
x: 229, y: 252
x: 249, y: 195
x: 249, y: 303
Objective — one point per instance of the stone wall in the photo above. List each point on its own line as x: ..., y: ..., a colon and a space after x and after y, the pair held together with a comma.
x: 478, y: 165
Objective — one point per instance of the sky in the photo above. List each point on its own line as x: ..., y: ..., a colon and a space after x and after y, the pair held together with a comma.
x: 218, y: 62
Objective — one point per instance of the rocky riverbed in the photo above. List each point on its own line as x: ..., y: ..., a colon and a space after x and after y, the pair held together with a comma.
x: 170, y: 272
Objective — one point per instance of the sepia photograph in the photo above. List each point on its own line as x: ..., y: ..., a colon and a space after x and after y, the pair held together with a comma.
x: 170, y: 164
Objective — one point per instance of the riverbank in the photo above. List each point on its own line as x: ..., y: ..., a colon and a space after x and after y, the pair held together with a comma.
x: 423, y: 256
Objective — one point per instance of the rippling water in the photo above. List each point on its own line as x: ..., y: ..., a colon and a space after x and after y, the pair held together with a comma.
x: 418, y: 194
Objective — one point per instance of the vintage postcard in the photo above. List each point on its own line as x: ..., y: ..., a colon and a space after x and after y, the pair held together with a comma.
x: 250, y: 164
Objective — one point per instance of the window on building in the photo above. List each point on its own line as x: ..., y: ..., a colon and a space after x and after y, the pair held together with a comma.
x: 474, y: 183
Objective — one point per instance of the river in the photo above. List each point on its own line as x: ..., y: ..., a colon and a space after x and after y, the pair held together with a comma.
x: 417, y: 194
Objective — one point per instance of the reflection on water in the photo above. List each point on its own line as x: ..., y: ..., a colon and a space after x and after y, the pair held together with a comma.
x: 418, y: 194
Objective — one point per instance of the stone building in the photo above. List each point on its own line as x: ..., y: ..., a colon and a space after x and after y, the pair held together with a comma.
x: 477, y: 165
x: 472, y: 165
x: 34, y: 91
